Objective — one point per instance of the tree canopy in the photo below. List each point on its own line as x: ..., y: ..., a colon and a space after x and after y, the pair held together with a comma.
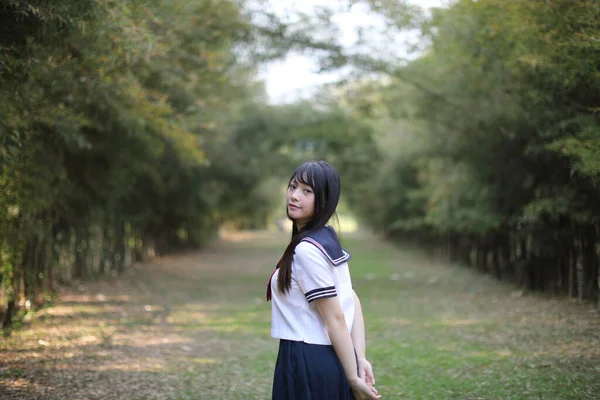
x: 490, y: 149
x: 132, y: 127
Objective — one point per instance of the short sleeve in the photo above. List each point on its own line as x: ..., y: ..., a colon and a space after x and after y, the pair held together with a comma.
x: 313, y: 272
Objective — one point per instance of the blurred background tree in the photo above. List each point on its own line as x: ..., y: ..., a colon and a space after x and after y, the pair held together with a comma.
x: 490, y: 151
x: 128, y: 129
x: 119, y: 133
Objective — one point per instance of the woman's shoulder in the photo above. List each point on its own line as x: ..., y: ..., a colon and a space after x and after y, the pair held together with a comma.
x: 305, y: 247
x: 326, y: 241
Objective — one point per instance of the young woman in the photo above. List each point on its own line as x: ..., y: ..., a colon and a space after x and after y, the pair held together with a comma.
x: 315, y: 311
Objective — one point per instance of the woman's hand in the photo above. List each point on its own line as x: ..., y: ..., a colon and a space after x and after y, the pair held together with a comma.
x: 365, y: 372
x: 362, y: 391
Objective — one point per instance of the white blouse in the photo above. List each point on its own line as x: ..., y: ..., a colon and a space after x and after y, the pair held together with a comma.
x: 294, y: 315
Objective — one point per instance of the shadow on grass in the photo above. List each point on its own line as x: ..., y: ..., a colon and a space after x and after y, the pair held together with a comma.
x: 198, y: 327
x: 178, y: 360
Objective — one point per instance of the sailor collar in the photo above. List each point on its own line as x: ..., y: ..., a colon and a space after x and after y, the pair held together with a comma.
x: 326, y: 240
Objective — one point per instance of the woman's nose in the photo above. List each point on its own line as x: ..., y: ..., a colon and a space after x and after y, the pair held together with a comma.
x: 294, y: 195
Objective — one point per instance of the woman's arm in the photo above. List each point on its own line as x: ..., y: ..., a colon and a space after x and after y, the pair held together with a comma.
x: 333, y: 316
x: 358, y: 329
x: 358, y: 338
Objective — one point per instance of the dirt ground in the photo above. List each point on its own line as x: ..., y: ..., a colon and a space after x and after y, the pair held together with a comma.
x: 173, y: 328
x: 114, y: 338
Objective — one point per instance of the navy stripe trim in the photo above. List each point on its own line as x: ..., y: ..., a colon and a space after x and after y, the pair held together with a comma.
x: 320, y: 293
x: 318, y: 290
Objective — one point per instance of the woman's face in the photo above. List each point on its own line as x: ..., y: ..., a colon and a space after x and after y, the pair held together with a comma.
x: 300, y: 202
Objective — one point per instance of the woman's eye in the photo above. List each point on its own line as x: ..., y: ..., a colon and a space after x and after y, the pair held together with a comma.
x: 307, y: 191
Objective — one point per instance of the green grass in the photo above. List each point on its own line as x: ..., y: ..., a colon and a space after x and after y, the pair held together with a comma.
x: 434, y: 331
x: 444, y: 332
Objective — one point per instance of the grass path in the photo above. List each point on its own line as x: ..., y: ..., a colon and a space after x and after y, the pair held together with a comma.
x: 196, y: 326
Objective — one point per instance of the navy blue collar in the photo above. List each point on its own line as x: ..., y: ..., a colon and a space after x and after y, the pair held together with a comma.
x: 326, y: 240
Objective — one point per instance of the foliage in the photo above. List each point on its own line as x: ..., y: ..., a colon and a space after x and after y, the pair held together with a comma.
x: 127, y: 127
x: 117, y: 133
x: 490, y: 141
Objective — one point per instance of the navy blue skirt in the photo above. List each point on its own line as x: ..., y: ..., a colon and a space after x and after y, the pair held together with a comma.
x: 309, y: 372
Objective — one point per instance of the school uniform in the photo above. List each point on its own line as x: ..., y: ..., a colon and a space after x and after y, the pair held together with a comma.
x: 307, y: 367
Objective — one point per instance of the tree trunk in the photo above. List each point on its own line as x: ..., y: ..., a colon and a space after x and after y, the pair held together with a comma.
x: 119, y: 251
x: 496, y: 261
x: 11, y: 310
x: 590, y: 267
x: 572, y: 280
x: 579, y: 270
x: 29, y: 268
x: 38, y: 268
x: 106, y: 257
x: 80, y: 270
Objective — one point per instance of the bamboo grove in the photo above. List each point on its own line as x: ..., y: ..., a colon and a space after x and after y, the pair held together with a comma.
x: 116, y: 134
x: 491, y: 141
x: 485, y: 147
x: 135, y: 127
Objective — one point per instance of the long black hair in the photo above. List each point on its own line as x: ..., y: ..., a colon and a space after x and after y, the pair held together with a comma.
x: 325, y: 183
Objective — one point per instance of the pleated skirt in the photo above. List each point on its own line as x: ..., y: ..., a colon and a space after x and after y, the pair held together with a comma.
x: 309, y: 372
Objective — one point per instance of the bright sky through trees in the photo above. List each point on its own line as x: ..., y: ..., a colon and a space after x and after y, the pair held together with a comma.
x: 296, y: 76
